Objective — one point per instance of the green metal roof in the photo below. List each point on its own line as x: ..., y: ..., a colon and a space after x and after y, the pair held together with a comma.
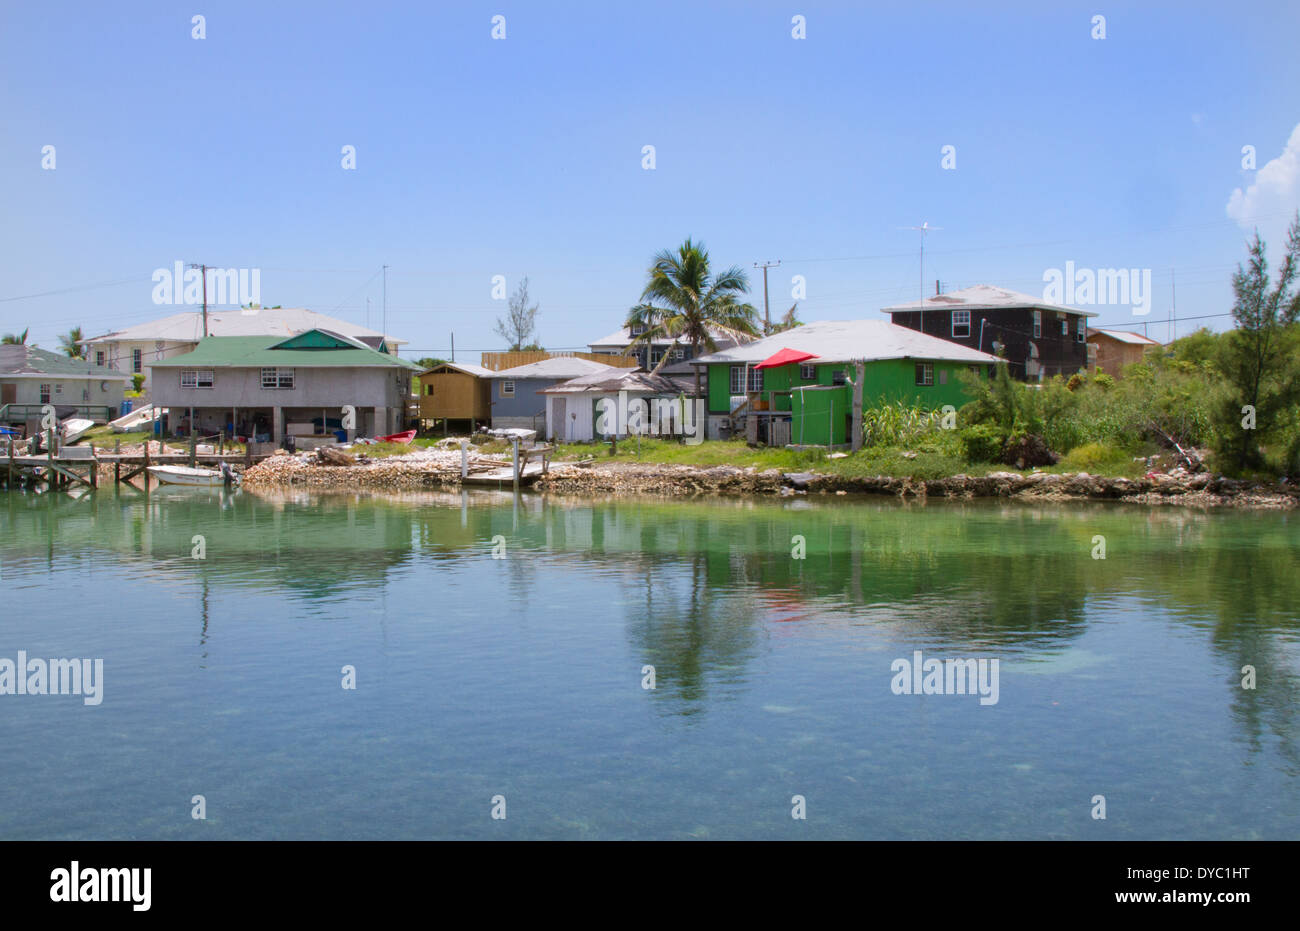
x: 29, y: 360
x: 262, y: 351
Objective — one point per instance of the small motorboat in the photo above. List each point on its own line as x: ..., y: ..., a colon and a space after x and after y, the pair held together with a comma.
x: 74, y: 429
x: 404, y: 437
x: 184, y: 475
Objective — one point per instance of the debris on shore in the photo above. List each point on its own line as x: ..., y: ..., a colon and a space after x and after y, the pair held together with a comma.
x: 335, y: 468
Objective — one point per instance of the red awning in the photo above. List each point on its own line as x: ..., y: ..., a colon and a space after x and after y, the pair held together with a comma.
x: 785, y: 357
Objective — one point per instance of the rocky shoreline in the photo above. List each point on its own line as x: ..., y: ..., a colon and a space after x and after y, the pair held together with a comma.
x: 1199, y: 490
x: 443, y: 471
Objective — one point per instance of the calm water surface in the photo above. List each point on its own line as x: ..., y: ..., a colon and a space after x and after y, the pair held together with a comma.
x: 522, y: 676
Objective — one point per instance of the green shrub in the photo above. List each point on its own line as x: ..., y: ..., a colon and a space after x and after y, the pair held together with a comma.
x: 1097, y: 457
x: 982, y: 443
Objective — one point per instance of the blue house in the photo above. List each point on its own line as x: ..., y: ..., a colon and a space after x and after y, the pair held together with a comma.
x: 515, y: 398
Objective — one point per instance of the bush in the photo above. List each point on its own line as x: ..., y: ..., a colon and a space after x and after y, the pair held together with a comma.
x: 982, y: 443
x: 1098, y: 457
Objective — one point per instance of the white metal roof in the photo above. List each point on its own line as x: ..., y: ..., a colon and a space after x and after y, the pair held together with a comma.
x: 561, y: 367
x: 1124, y: 336
x: 623, y: 337
x: 850, y: 340
x: 984, y: 297
x: 466, y: 367
x: 187, y: 327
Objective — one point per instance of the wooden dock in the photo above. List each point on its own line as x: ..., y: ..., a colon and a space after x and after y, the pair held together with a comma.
x: 527, y: 465
x: 79, y: 465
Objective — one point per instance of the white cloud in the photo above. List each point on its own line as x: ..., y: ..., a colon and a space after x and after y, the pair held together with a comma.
x: 1273, y: 199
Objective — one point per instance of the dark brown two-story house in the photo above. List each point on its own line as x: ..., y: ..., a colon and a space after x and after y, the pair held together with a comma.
x: 1038, y: 339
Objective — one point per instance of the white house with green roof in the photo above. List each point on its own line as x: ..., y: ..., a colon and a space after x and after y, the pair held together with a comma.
x: 270, y: 388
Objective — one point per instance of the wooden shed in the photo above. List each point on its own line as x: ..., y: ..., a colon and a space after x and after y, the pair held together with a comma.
x: 456, y: 391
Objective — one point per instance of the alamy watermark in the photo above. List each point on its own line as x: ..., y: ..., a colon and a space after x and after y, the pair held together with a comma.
x: 969, y: 676
x: 38, y: 676
x: 1075, y: 286
x: 651, y: 417
x: 232, y: 286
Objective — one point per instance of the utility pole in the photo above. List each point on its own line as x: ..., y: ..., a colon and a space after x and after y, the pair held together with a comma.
x: 385, y: 326
x: 204, y: 270
x: 453, y: 347
x: 1173, y: 306
x: 767, y: 314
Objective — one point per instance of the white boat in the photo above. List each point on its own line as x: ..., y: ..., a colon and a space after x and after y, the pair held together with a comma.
x: 184, y: 475
x: 136, y: 419
x: 74, y: 428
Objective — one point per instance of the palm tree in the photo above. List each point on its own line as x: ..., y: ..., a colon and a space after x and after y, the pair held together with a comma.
x: 682, y: 299
x: 789, y: 321
x: 10, y: 339
x: 70, y: 343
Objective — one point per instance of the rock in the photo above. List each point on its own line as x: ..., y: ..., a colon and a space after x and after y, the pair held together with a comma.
x: 798, y: 479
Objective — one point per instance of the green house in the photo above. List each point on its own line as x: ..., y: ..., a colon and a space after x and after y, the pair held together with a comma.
x: 810, y: 402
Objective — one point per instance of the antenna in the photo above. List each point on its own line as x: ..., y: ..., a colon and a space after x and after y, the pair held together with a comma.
x: 924, y: 228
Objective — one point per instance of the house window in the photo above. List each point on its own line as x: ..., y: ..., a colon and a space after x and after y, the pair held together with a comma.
x: 58, y: 389
x: 738, y: 380
x: 636, y: 330
x: 925, y: 373
x: 197, y: 378
x: 837, y: 377
x: 45, y: 394
x: 808, y: 372
x: 507, y: 389
x: 1065, y: 326
x: 961, y: 323
x: 277, y: 378
x: 1081, y: 334
x: 655, y: 356
x: 1038, y: 324
x: 679, y: 354
x: 99, y: 358
x: 137, y: 360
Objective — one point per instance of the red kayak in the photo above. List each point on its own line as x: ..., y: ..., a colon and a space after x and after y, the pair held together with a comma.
x: 404, y: 437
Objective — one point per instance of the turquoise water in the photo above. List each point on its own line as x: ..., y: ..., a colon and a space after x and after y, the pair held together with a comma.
x: 522, y: 676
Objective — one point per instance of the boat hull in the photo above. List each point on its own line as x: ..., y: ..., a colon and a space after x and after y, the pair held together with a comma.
x: 182, y: 475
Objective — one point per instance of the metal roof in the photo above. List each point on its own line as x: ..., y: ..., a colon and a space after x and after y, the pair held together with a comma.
x: 477, y: 371
x: 850, y: 341
x: 187, y: 327
x: 1124, y: 336
x: 984, y: 297
x: 249, y: 351
x: 623, y: 380
x: 624, y: 337
x: 561, y: 367
x: 21, y: 361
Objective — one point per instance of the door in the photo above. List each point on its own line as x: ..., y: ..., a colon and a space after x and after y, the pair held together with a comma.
x: 8, y: 394
x: 558, y: 420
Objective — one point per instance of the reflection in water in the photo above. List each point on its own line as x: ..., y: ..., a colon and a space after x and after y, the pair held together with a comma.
x: 750, y: 644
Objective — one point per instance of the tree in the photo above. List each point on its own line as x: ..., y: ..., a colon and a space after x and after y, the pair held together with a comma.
x: 1257, y: 359
x: 429, y: 362
x: 682, y: 299
x: 789, y: 320
x: 70, y: 343
x: 520, y: 321
x: 9, y: 339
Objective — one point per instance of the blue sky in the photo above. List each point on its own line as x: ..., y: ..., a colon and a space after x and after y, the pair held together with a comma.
x: 479, y: 157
